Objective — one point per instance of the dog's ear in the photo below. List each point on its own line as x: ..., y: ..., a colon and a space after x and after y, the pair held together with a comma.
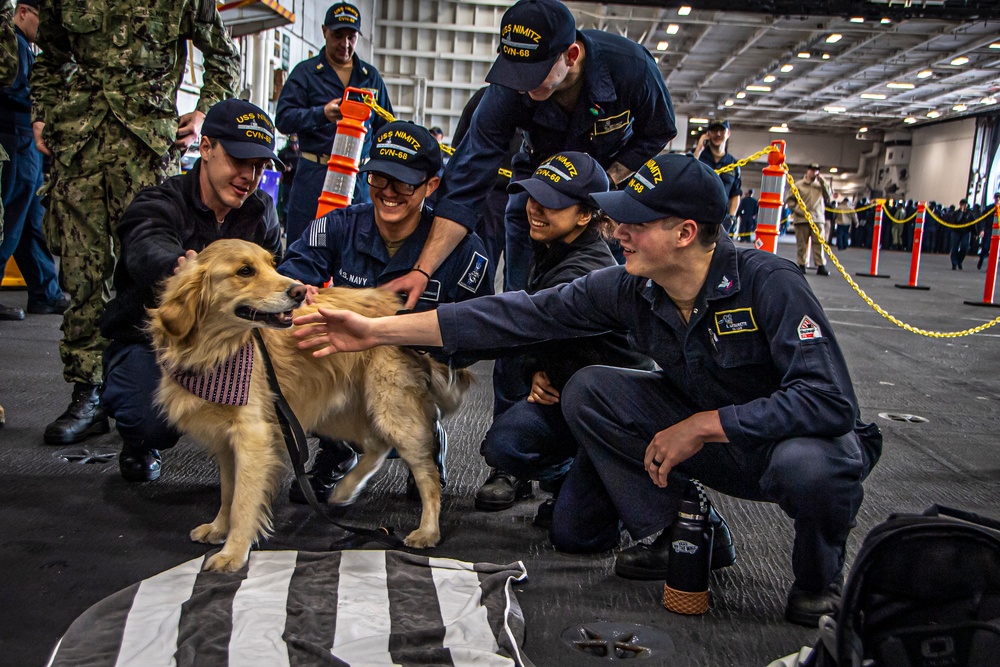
x: 181, y: 301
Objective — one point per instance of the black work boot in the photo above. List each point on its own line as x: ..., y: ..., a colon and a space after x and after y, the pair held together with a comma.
x: 83, y: 418
x: 649, y: 561
x: 334, y: 459
x: 500, y: 491
x: 807, y: 607
x: 139, y: 464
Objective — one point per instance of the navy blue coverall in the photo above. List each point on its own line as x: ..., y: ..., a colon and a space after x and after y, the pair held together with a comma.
x: 20, y: 180
x: 346, y: 245
x: 309, y: 87
x: 624, y: 114
x: 732, y: 181
x: 758, y: 348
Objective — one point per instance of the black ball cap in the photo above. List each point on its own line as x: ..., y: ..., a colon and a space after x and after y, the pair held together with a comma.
x: 406, y: 152
x: 671, y: 185
x: 244, y: 130
x: 533, y: 33
x: 563, y: 180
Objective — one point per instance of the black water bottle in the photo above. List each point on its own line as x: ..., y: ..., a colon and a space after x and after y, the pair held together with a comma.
x: 690, y: 563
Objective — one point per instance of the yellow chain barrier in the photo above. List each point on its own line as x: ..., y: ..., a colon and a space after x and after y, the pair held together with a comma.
x: 857, y: 288
x: 445, y: 148
x: 895, y: 221
x: 988, y: 214
x: 850, y: 210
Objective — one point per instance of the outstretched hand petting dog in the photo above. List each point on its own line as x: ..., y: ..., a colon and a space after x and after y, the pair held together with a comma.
x: 335, y: 331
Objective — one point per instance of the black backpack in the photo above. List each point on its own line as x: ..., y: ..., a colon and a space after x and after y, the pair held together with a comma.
x: 924, y: 591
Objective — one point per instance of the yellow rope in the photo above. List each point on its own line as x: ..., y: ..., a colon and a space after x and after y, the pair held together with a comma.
x: 874, y: 306
x: 745, y: 161
x: 887, y: 214
x: 850, y: 210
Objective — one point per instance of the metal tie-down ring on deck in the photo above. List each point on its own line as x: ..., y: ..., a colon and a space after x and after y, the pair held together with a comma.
x: 618, y: 641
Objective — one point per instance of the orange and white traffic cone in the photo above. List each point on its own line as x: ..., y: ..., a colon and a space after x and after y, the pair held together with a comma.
x: 772, y: 199
x: 345, y: 156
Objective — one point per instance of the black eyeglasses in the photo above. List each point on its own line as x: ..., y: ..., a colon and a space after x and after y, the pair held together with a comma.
x: 381, y: 181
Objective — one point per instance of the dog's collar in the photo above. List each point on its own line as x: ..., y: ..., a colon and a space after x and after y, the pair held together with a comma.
x: 226, y: 384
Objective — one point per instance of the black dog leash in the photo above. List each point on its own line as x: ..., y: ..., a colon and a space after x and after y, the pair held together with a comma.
x: 298, y: 452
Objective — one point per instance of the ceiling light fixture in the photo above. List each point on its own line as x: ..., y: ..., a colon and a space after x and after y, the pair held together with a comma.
x: 729, y: 103
x: 683, y: 10
x: 672, y: 29
x: 787, y: 68
x: 779, y: 128
x: 933, y: 113
x: 759, y: 89
x: 961, y: 60
x: 835, y: 109
x: 862, y: 130
x: 826, y: 56
x: 857, y: 19
x: 834, y: 38
x: 924, y: 73
x: 833, y: 170
x: 885, y: 20
x: 901, y: 85
x: 662, y: 46
x: 699, y: 121
x: 995, y: 45
x: 959, y: 107
x: 988, y: 100
x: 872, y: 96
x: 740, y: 95
x: 769, y: 78
x: 910, y: 120
x: 805, y: 55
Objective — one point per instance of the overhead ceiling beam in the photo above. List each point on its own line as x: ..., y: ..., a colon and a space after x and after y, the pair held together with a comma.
x: 957, y: 10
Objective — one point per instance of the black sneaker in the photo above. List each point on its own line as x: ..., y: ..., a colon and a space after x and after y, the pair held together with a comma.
x: 500, y: 491
x: 137, y: 464
x: 11, y: 313
x: 807, y: 607
x: 821, y: 270
x: 648, y: 562
x: 335, y: 459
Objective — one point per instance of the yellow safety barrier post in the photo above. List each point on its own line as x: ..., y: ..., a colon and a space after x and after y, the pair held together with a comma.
x: 991, y: 264
x: 772, y: 199
x: 918, y: 234
x: 876, y: 245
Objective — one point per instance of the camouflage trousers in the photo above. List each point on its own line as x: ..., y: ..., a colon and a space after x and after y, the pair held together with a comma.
x: 84, y: 200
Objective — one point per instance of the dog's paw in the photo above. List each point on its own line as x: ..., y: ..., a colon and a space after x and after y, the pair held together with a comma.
x: 223, y: 562
x: 420, y: 539
x: 208, y: 533
x: 342, y: 499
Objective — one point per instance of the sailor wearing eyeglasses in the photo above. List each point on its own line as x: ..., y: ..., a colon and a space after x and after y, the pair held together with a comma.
x: 367, y: 245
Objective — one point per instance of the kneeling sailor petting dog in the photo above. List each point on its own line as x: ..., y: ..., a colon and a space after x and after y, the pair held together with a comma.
x: 217, y: 199
x: 754, y: 397
x: 367, y: 245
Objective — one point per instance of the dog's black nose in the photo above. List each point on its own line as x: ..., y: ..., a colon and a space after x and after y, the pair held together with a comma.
x: 297, y: 292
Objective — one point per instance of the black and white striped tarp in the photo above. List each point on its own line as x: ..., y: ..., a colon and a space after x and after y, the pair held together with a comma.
x: 292, y: 608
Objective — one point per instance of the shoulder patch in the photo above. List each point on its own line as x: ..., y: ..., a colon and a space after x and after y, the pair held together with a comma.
x: 317, y: 233
x: 809, y: 329
x: 474, y: 273
x: 735, y: 321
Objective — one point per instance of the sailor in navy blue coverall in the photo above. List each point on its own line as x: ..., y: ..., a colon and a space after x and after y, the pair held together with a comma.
x: 22, y: 209
x: 312, y: 87
x: 754, y: 397
x: 367, y: 245
x: 587, y: 91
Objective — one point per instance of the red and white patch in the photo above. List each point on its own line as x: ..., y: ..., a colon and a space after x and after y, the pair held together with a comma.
x: 809, y: 329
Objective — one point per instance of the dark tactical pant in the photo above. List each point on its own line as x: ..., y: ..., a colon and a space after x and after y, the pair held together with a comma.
x: 614, y: 414
x: 84, y: 199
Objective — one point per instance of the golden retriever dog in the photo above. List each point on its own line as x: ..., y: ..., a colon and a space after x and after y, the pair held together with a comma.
x: 382, y: 398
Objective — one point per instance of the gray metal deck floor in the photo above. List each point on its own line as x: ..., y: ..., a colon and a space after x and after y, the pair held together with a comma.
x: 73, y: 534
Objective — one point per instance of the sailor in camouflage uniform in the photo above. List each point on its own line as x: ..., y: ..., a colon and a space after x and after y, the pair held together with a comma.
x: 104, y: 91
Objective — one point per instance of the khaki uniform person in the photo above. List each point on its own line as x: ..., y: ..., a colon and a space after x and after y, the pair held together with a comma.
x: 104, y: 94
x: 816, y: 195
